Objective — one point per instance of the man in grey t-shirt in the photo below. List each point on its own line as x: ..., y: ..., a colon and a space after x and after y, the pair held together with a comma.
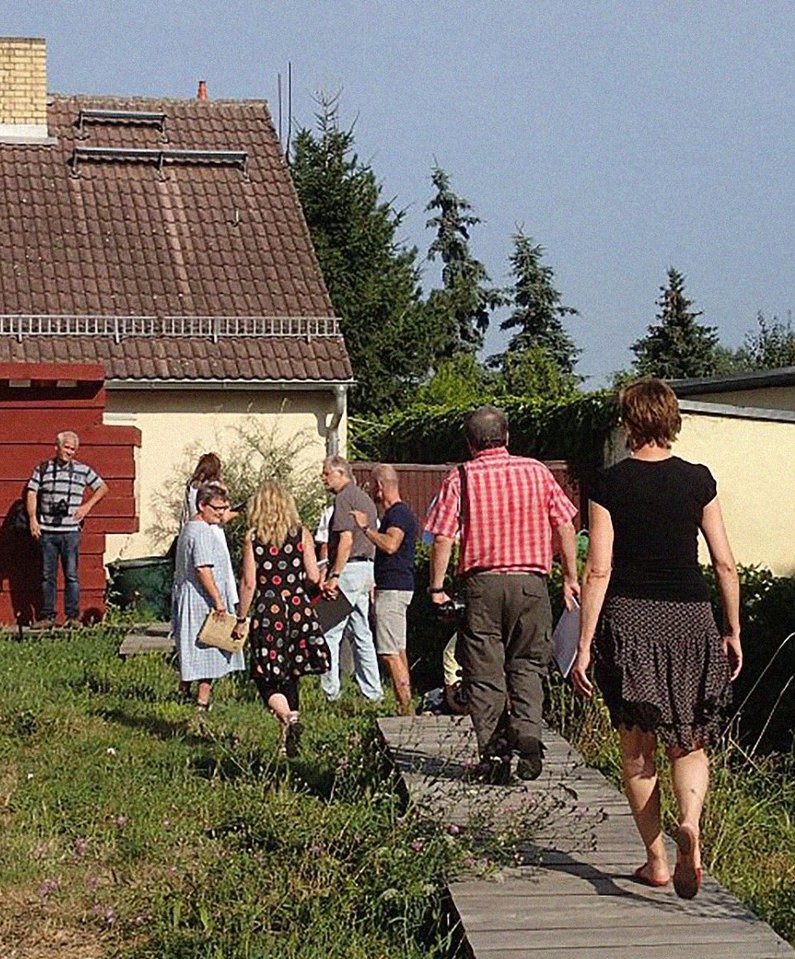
x: 350, y: 571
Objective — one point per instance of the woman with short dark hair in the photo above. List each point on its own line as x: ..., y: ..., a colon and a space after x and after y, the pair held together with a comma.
x: 663, y: 667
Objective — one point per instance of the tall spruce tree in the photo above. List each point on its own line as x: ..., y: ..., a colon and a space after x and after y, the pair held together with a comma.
x: 373, y: 279
x: 538, y: 314
x: 679, y: 346
x: 462, y: 308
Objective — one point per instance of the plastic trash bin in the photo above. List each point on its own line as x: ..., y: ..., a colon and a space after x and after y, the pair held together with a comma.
x: 143, y: 584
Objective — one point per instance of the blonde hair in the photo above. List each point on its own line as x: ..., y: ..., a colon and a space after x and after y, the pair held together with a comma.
x: 272, y: 513
x: 649, y: 413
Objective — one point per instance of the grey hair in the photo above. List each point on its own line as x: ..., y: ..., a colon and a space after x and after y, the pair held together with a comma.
x: 207, y: 492
x: 386, y: 474
x: 486, y: 428
x: 339, y: 465
x: 62, y: 437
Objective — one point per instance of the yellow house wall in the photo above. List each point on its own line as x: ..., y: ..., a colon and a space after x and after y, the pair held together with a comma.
x: 751, y: 461
x: 177, y: 426
x: 769, y: 398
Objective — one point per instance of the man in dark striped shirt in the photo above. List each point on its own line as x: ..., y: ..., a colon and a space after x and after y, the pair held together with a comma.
x: 56, y: 512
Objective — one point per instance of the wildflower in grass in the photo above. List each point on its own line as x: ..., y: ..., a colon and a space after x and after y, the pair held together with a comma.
x: 121, y: 821
x: 47, y: 887
x: 417, y: 846
x: 92, y: 882
x: 454, y: 829
x: 110, y: 751
x: 30, y: 776
x: 80, y: 847
x: 110, y: 915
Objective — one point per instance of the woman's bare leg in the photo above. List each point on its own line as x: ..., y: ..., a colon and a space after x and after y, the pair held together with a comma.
x: 639, y: 770
x: 203, y: 695
x: 690, y: 780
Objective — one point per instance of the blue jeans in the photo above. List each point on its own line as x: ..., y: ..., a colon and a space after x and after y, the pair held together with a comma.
x: 66, y: 547
x: 356, y: 581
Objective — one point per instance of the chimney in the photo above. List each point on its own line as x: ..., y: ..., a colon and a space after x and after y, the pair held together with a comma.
x: 23, y: 90
x: 202, y: 94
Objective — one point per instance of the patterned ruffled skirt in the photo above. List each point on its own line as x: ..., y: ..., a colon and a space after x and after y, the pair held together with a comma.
x: 661, y: 667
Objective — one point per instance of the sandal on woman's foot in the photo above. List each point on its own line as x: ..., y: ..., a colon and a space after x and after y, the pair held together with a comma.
x: 641, y: 875
x: 687, y: 875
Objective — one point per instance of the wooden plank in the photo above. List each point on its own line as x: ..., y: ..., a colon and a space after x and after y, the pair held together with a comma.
x: 574, y: 895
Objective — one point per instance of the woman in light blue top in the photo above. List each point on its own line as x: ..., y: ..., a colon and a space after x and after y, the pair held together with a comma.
x: 203, y: 583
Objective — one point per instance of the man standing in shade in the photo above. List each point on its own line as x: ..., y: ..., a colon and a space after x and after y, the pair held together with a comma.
x: 56, y: 511
x: 350, y: 571
x: 394, y: 576
x: 506, y: 508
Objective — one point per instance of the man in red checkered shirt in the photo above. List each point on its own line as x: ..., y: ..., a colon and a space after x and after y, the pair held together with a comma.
x: 510, y: 508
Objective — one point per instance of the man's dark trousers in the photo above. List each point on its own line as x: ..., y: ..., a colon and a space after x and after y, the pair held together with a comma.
x: 504, y: 647
x: 66, y: 547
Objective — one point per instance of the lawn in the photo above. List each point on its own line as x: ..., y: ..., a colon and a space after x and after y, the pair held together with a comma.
x: 127, y: 832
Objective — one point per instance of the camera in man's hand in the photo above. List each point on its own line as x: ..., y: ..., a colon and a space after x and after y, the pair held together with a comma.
x: 450, y: 611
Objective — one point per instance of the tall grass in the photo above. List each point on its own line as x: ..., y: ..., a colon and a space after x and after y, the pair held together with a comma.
x: 748, y: 827
x: 124, y: 834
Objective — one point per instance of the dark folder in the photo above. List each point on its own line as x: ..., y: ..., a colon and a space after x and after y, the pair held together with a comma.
x: 331, y: 612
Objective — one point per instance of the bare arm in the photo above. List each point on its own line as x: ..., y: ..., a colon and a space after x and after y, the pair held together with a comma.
x: 714, y: 530
x: 311, y: 568
x: 344, y: 546
x: 206, y: 578
x: 595, y: 580
x: 567, y: 544
x: 31, y: 499
x: 248, y: 578
x: 388, y: 542
x: 85, y: 508
x: 440, y: 560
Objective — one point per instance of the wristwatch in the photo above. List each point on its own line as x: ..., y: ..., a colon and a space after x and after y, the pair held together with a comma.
x: 436, y: 590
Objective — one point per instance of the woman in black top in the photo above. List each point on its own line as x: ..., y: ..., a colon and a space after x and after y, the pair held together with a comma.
x: 663, y: 667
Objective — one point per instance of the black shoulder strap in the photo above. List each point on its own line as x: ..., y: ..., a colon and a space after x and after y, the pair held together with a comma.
x: 462, y: 508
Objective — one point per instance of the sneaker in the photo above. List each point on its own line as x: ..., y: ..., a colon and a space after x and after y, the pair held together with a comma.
x: 530, y: 763
x: 43, y: 624
x: 73, y: 622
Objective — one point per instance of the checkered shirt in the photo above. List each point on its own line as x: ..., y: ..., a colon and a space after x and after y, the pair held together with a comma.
x: 513, y: 503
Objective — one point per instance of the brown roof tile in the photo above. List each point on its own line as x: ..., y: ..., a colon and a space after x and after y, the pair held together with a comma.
x: 250, y: 358
x: 200, y: 239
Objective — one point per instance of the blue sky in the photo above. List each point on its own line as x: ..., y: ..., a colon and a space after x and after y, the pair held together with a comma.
x: 623, y: 136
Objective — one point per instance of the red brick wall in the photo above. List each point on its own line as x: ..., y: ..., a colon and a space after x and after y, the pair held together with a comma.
x: 36, y: 402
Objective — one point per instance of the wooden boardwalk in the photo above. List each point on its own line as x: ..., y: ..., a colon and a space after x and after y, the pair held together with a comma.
x: 568, y: 893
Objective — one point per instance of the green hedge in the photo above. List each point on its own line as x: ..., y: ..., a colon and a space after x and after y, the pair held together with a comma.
x: 574, y: 431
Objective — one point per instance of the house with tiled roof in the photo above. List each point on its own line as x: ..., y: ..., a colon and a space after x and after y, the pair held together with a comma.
x: 164, y: 240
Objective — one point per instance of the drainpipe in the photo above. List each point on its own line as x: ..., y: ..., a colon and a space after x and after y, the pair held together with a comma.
x: 332, y: 436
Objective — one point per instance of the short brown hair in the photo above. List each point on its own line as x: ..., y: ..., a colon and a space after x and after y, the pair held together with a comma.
x: 649, y: 413
x: 486, y: 428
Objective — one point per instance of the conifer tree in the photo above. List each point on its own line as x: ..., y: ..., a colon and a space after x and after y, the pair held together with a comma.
x: 462, y: 308
x: 678, y: 346
x: 372, y: 278
x: 538, y: 314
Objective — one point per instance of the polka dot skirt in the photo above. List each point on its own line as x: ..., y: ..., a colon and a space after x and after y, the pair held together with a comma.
x: 661, y: 667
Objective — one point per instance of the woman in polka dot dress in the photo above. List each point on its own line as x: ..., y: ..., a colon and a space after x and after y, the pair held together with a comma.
x: 285, y: 636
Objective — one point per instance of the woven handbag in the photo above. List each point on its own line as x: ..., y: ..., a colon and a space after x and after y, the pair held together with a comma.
x: 217, y: 631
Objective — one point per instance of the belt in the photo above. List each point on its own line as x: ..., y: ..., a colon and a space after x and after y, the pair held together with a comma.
x: 360, y: 559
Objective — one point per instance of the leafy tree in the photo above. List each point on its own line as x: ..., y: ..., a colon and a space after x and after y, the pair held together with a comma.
x: 458, y: 381
x: 463, y: 306
x: 678, y: 346
x: 371, y: 276
x: 772, y: 347
x: 534, y: 372
x: 538, y: 313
